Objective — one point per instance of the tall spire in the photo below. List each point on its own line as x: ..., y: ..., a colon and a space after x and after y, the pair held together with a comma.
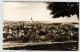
x: 31, y: 19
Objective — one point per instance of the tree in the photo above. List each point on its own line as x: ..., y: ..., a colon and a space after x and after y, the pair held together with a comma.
x: 63, y: 9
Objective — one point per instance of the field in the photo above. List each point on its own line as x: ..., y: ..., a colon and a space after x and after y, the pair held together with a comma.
x: 42, y: 36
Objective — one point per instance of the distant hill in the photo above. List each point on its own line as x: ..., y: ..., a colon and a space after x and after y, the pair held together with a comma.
x: 46, y: 22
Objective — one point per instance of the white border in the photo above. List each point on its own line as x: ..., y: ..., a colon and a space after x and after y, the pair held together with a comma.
x: 47, y: 0
x: 1, y: 24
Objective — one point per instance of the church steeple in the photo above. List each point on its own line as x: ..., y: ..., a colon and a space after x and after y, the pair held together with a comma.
x: 31, y: 19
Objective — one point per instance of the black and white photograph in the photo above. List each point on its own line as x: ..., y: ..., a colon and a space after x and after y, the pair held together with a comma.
x: 50, y: 26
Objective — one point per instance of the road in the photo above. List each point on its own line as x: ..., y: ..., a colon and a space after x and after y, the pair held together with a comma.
x: 66, y: 45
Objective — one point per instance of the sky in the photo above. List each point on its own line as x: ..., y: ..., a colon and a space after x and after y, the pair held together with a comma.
x: 23, y: 11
